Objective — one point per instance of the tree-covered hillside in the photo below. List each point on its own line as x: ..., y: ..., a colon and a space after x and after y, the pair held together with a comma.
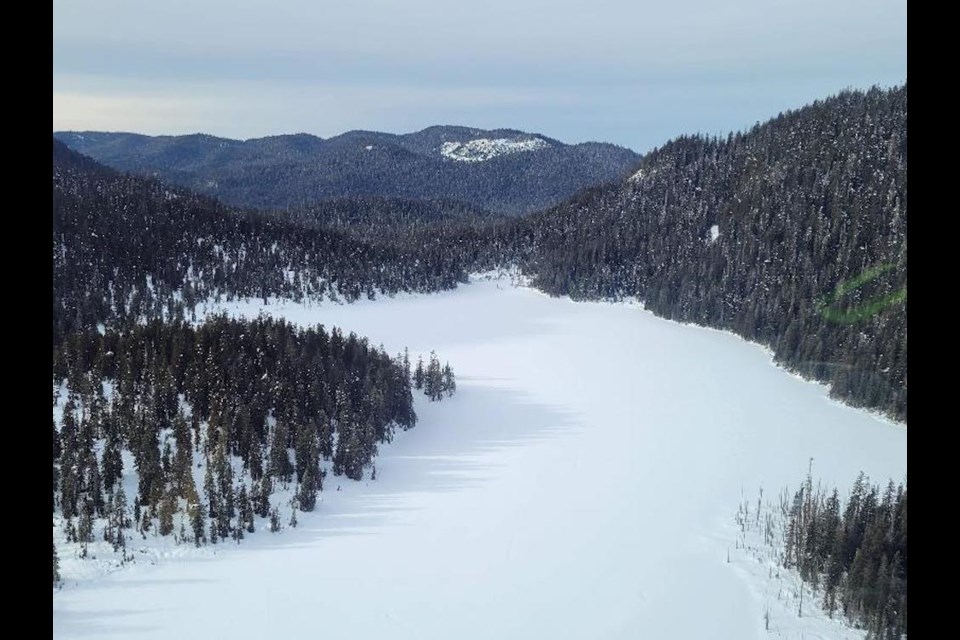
x: 208, y: 420
x: 126, y: 247
x: 792, y: 234
x: 504, y: 171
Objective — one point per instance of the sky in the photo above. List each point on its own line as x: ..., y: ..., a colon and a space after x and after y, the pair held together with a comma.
x: 632, y: 72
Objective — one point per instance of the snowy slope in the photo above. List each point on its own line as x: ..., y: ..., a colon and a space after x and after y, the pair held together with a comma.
x: 483, y: 149
x: 581, y: 484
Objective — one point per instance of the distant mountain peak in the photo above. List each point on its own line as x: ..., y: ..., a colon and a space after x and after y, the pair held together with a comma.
x: 505, y: 171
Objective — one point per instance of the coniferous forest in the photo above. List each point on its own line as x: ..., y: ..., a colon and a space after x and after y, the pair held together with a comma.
x: 250, y: 405
x: 854, y: 552
x: 792, y: 234
x: 214, y: 417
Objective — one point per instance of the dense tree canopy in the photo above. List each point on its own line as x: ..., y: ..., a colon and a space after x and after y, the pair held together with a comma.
x: 792, y: 234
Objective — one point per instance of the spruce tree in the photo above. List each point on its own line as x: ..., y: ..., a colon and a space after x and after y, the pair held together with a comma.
x: 419, y: 374
x: 56, y: 566
x: 433, y: 380
x: 280, y: 466
x: 166, y: 510
x: 196, y: 523
x: 449, y: 385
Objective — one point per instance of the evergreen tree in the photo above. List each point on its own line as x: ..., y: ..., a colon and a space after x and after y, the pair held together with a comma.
x: 263, y: 500
x: 112, y: 457
x: 280, y: 466
x: 69, y: 482
x: 855, y: 556
x: 449, y: 383
x: 196, y: 523
x: 56, y: 566
x: 419, y: 376
x: 165, y: 511
x: 433, y: 380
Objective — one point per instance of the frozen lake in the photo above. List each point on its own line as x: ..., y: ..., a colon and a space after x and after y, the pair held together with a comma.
x: 581, y: 484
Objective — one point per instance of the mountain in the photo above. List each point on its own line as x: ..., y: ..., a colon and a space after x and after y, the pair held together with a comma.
x: 127, y: 248
x: 504, y: 170
x: 792, y: 234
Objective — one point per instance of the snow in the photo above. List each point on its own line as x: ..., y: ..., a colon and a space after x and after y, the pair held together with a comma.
x: 581, y: 484
x: 482, y: 149
x: 714, y: 233
x: 791, y: 608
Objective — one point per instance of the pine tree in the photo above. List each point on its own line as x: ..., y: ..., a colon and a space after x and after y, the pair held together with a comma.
x: 280, y: 466
x: 325, y: 436
x: 69, y: 482
x: 249, y: 513
x: 434, y: 379
x: 238, y: 533
x: 85, y: 524
x: 119, y: 510
x: 183, y: 459
x: 449, y: 384
x: 419, y: 375
x: 263, y: 496
x: 196, y: 523
x: 166, y: 510
x: 112, y: 457
x: 56, y: 566
x: 307, y: 493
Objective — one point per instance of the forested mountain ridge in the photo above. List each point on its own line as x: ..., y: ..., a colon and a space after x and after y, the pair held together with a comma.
x: 381, y: 213
x: 792, y: 234
x: 214, y: 425
x: 503, y: 170
x: 126, y: 247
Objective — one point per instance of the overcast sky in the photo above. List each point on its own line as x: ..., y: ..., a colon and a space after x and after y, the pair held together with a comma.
x: 633, y: 72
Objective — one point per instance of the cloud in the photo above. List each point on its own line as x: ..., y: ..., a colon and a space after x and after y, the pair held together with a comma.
x: 244, y: 109
x: 84, y: 111
x: 570, y: 69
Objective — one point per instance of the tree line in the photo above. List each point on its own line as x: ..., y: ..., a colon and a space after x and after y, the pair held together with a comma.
x: 213, y: 419
x: 855, y: 552
x: 792, y: 234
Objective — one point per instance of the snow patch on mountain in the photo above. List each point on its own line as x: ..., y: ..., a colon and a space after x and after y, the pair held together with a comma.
x: 483, y: 149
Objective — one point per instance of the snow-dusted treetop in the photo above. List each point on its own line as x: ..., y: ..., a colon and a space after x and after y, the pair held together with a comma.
x: 483, y: 149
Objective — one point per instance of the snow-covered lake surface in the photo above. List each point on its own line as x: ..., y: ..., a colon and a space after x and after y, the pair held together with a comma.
x: 581, y: 484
